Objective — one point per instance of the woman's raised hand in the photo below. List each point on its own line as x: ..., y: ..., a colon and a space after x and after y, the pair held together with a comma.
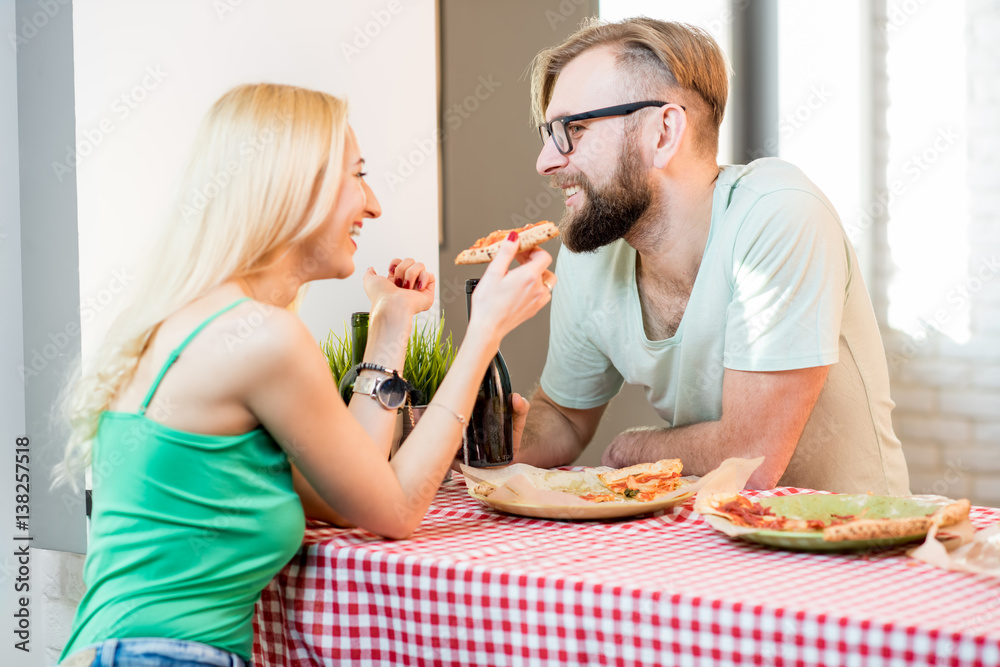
x: 407, y: 286
x: 506, y: 297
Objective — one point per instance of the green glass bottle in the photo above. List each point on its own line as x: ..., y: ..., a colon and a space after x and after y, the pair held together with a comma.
x: 359, y: 340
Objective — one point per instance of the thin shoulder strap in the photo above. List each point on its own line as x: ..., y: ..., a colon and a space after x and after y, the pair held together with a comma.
x: 180, y: 348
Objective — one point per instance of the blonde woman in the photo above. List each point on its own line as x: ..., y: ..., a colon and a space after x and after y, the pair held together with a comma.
x: 213, y: 417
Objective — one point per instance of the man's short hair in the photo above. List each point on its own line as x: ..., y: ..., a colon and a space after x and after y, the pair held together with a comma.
x: 658, y: 58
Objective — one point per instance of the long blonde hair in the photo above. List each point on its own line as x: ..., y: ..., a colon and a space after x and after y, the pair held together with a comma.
x: 264, y: 174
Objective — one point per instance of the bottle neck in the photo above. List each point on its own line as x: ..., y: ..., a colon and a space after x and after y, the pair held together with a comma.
x: 470, y: 286
x: 359, y: 337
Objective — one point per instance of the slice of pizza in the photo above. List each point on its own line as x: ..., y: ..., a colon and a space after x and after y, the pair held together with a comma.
x: 644, y: 481
x: 743, y: 512
x: 529, y: 236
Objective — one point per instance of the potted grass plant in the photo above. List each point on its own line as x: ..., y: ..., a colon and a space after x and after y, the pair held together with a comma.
x: 429, y: 355
x: 428, y: 359
x: 339, y: 353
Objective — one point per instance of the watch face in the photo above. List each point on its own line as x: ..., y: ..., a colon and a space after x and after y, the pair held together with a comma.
x: 392, y: 393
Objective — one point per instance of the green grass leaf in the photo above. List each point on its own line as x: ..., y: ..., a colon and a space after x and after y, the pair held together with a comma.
x: 428, y: 356
x: 338, y: 353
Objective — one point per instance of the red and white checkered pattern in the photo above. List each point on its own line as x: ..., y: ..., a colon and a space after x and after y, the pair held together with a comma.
x: 478, y: 587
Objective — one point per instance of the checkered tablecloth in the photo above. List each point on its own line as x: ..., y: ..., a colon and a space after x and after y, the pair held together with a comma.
x: 478, y: 587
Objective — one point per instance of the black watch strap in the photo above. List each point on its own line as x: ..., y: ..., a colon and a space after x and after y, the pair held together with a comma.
x: 369, y: 366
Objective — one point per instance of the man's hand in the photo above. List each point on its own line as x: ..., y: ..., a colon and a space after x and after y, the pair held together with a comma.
x: 627, y: 449
x: 521, y: 407
x: 550, y: 435
x: 553, y: 435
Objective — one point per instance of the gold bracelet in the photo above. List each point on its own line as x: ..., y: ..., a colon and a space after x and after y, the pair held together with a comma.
x: 461, y: 421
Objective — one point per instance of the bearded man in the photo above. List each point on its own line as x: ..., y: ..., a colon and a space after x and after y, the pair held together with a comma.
x: 731, y: 294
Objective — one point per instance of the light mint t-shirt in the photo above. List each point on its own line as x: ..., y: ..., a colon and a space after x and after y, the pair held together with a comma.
x: 778, y: 289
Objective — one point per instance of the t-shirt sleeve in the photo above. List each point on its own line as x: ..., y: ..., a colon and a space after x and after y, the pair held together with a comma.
x: 576, y: 374
x: 791, y: 270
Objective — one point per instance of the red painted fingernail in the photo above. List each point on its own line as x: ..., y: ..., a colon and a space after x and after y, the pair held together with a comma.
x: 406, y: 285
x: 392, y: 267
x: 399, y: 282
x: 418, y: 285
x: 512, y: 236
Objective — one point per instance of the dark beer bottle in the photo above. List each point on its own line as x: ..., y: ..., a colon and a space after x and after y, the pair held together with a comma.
x: 359, y: 340
x: 490, y: 432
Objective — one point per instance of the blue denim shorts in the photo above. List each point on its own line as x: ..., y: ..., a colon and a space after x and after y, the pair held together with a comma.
x: 152, y: 652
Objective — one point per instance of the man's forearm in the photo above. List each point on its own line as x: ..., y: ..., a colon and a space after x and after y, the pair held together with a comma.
x: 700, y: 447
x: 549, y: 439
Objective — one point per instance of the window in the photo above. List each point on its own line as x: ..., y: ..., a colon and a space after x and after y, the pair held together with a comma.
x: 934, y: 277
x: 715, y: 16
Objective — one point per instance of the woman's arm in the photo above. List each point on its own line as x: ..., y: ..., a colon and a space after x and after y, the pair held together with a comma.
x: 389, y: 330
x: 313, y: 505
x: 294, y: 397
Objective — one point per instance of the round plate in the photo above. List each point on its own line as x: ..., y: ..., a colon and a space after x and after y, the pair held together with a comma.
x: 823, y: 506
x: 812, y: 542
x: 609, y: 510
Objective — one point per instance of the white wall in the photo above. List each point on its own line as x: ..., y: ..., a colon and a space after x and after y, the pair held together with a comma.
x: 172, y: 60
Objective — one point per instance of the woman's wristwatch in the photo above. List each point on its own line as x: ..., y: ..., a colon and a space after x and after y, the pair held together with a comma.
x: 390, y: 391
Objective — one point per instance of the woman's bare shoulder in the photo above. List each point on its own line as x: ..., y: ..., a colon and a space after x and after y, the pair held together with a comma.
x: 268, y: 334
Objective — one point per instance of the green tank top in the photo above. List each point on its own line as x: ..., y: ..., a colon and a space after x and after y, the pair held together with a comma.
x: 186, y: 530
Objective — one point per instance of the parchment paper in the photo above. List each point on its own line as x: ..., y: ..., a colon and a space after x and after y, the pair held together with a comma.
x: 968, y: 550
x: 525, y: 484
x: 728, y: 479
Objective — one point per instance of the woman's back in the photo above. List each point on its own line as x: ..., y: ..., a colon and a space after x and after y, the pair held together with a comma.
x: 224, y: 351
x: 187, y: 527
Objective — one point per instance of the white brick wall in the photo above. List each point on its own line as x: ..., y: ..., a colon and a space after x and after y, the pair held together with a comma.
x: 948, y: 394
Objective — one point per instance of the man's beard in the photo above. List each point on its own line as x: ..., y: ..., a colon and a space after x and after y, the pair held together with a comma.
x: 610, y: 213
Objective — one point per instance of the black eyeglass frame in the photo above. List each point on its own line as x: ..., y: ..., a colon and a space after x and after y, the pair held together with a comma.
x: 545, y: 129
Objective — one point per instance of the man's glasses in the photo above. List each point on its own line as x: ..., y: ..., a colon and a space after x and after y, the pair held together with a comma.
x: 561, y: 132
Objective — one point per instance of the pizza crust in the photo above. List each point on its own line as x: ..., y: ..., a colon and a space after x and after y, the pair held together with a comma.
x: 528, y: 239
x: 873, y: 529
x: 858, y: 529
x: 662, y: 467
